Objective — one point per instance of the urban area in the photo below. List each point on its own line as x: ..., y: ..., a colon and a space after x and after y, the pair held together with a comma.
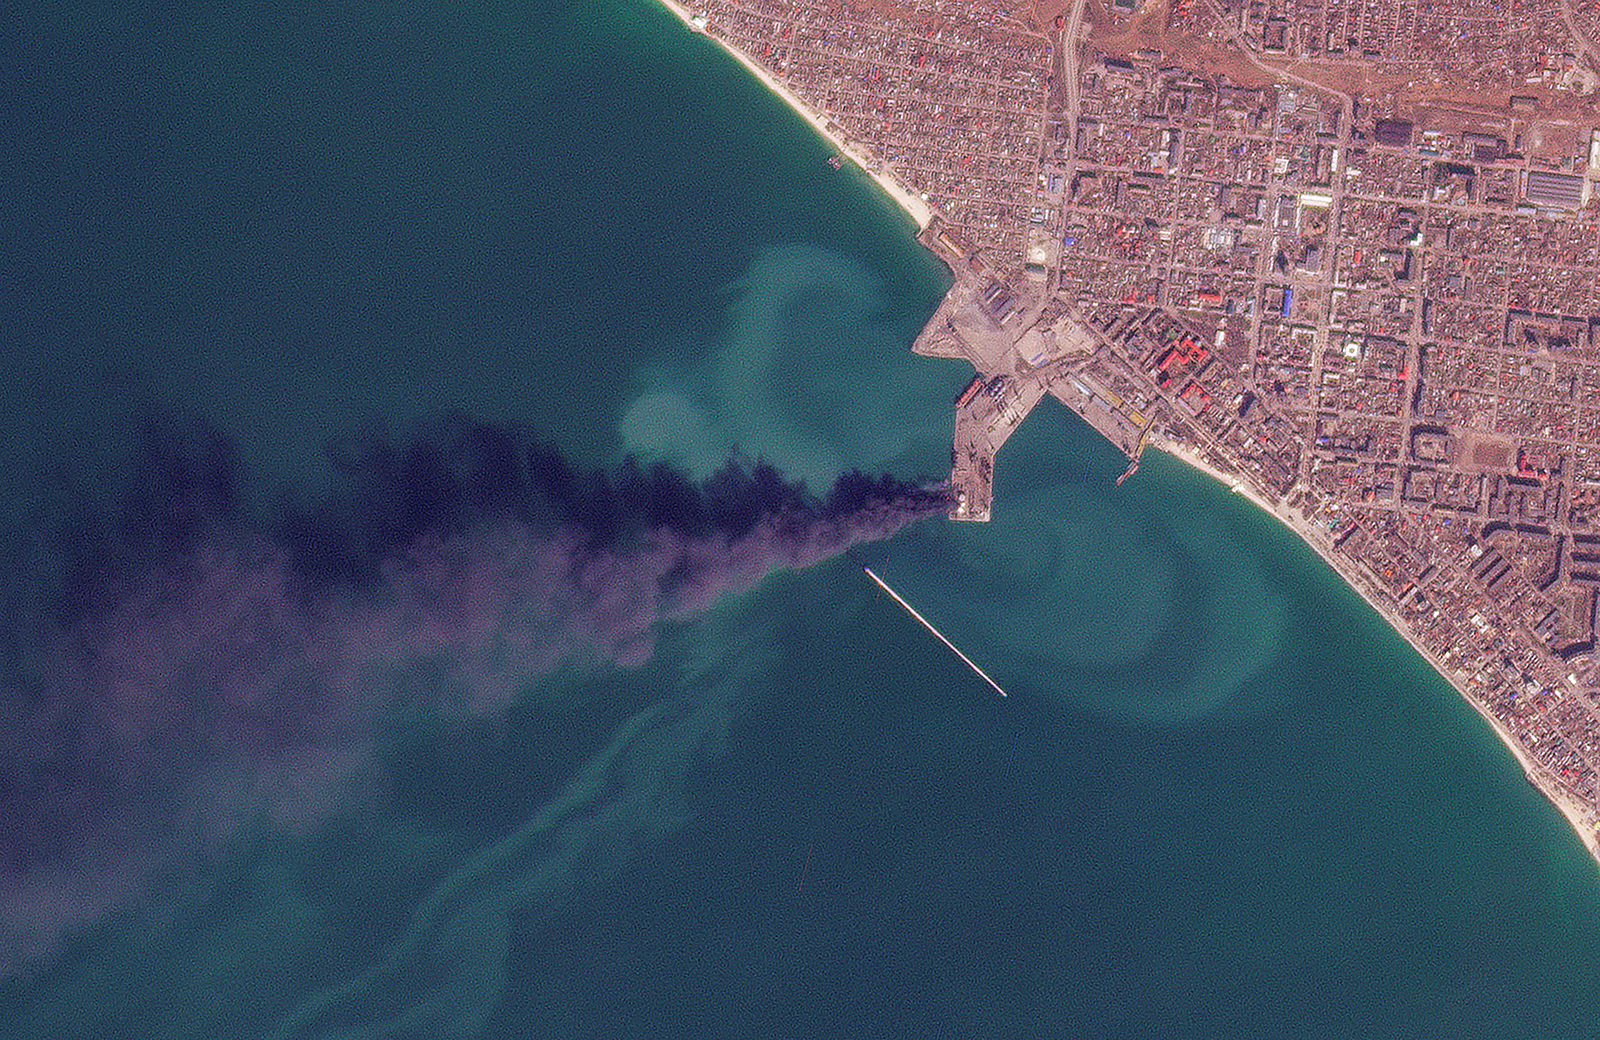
x: 1341, y: 254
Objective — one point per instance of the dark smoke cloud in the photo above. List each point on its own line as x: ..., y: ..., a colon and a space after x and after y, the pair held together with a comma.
x: 183, y: 663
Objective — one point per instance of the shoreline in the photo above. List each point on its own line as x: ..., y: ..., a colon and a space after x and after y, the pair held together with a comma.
x: 922, y: 214
x: 1574, y: 812
x: 909, y: 201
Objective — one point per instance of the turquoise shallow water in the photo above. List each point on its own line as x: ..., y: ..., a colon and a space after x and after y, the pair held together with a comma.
x: 1222, y: 800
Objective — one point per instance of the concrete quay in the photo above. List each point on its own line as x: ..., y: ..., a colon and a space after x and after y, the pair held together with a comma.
x: 982, y: 425
x: 1103, y: 409
x: 1021, y: 348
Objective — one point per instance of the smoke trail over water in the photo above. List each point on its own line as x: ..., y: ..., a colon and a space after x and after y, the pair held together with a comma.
x: 184, y: 664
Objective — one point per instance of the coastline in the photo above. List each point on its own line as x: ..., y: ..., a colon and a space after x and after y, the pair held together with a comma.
x: 908, y: 200
x: 1575, y: 813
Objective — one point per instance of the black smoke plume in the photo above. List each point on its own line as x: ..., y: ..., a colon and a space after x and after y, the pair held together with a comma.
x: 182, y: 662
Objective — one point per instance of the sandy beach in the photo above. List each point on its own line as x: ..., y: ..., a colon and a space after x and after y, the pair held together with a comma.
x: 908, y: 200
x: 1576, y: 813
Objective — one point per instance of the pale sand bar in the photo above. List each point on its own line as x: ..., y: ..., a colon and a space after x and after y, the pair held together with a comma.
x: 904, y: 197
x: 1577, y: 814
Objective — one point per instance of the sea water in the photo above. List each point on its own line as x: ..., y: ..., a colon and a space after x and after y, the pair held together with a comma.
x: 1223, y: 799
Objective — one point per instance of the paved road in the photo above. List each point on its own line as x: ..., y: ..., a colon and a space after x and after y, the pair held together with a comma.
x: 1069, y: 54
x: 1577, y: 34
x: 1230, y: 26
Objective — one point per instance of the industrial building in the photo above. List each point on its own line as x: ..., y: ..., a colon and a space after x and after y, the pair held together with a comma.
x: 1396, y: 133
x: 1554, y: 189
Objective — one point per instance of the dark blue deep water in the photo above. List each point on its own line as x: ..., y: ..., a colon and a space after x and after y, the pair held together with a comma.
x: 1222, y: 800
